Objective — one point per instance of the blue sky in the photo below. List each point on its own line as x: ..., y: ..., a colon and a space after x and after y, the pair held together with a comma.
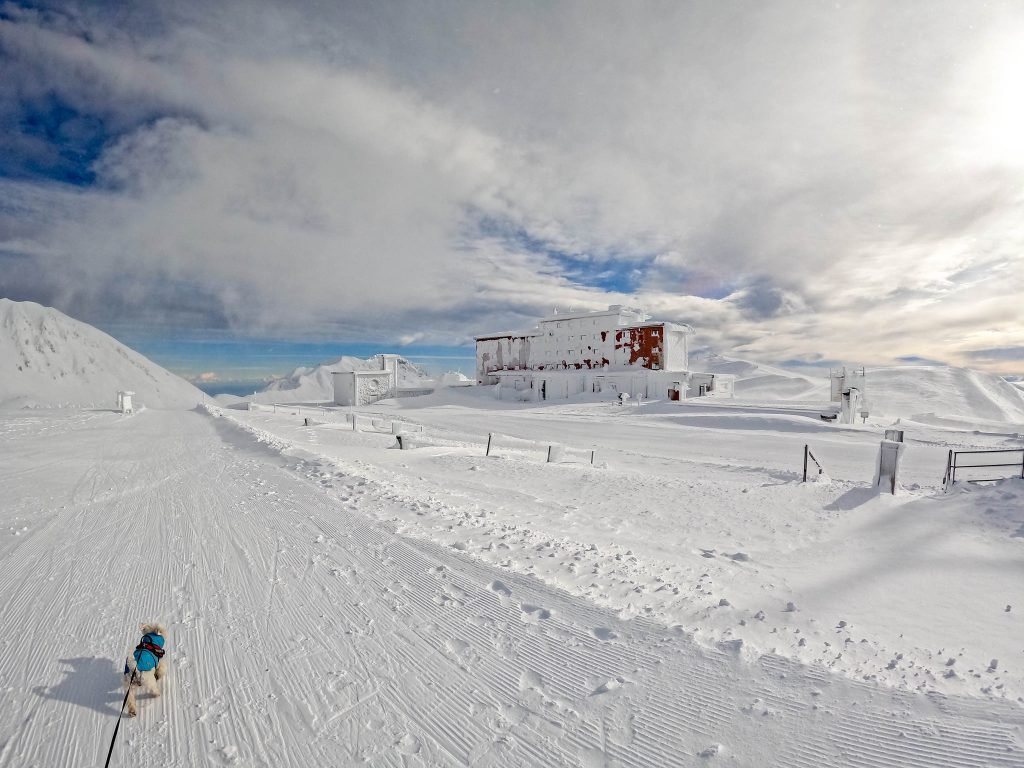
x: 796, y: 181
x: 223, y: 361
x: 68, y: 142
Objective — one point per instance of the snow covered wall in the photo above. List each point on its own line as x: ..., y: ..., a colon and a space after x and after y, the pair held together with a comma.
x: 47, y: 359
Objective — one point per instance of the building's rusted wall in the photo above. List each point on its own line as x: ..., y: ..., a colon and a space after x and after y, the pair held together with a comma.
x: 640, y: 347
x: 574, y: 345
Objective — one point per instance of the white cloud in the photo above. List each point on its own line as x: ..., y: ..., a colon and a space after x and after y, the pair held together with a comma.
x: 791, y: 179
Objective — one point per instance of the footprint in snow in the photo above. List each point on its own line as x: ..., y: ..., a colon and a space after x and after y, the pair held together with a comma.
x: 603, y: 634
x: 500, y: 589
x: 712, y: 751
x: 455, y: 593
x: 445, y: 600
x: 534, y: 614
x: 610, y: 686
x: 226, y: 755
x: 408, y: 744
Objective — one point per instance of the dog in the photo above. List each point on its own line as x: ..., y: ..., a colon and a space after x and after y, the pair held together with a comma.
x: 147, y: 665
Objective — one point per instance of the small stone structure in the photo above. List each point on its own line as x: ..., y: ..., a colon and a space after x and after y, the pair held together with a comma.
x: 889, y: 454
x: 360, y: 388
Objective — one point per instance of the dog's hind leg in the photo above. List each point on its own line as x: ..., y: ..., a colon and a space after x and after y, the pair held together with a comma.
x: 161, y: 669
x: 149, y: 683
x: 132, y: 709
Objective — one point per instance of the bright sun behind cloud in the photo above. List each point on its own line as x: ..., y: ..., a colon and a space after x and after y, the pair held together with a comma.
x: 998, y: 76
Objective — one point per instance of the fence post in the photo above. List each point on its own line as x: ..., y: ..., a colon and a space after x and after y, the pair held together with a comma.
x: 489, y: 436
x: 806, y: 448
x: 949, y: 464
x: 549, y: 454
x: 1022, y: 464
x: 592, y: 458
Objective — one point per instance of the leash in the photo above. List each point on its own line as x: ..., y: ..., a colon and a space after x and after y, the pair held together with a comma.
x: 119, y: 718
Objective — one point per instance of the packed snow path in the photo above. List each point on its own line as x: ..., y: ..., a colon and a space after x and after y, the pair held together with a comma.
x: 301, y: 634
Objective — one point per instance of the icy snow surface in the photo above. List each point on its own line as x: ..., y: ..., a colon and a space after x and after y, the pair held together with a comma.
x: 333, y: 600
x: 682, y: 600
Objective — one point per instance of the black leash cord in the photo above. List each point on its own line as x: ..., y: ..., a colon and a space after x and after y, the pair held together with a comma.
x: 114, y: 737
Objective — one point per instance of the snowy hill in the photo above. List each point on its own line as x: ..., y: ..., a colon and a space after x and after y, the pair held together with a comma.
x: 899, y: 391
x: 316, y: 385
x: 48, y: 359
x: 760, y: 382
x: 944, y: 391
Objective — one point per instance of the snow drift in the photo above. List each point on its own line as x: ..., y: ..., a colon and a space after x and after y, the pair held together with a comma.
x: 47, y: 359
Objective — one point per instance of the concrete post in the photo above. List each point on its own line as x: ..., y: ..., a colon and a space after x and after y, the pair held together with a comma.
x: 889, y: 454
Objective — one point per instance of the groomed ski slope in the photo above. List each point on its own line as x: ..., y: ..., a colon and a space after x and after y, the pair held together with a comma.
x: 303, y: 633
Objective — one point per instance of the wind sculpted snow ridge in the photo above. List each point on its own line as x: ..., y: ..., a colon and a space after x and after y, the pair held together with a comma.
x: 302, y: 632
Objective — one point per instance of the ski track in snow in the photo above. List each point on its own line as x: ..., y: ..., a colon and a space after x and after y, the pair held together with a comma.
x: 302, y: 632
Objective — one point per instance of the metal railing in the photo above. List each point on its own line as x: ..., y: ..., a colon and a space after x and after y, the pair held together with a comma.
x: 953, y: 464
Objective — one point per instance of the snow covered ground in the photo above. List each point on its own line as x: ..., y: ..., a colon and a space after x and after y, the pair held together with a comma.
x: 690, y: 506
x: 332, y: 600
x: 666, y: 592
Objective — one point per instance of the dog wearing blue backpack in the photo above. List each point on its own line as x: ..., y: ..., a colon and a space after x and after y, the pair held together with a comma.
x: 147, y: 665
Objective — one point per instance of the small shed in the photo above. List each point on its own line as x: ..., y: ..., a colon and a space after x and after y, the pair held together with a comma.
x: 124, y: 402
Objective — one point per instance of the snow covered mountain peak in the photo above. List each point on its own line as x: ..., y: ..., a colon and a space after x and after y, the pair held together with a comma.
x: 47, y: 359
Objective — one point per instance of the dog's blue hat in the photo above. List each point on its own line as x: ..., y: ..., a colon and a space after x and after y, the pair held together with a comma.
x: 149, y: 652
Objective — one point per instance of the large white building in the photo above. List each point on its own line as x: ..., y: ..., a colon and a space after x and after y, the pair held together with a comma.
x: 618, y: 350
